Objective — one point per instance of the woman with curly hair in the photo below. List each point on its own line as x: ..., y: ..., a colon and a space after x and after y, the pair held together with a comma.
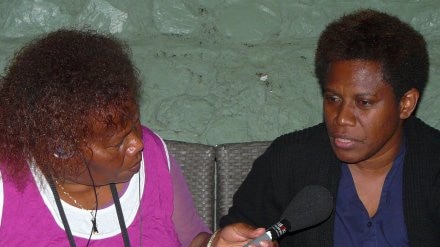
x: 77, y: 167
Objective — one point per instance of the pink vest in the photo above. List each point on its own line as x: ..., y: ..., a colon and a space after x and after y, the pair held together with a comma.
x: 27, y: 221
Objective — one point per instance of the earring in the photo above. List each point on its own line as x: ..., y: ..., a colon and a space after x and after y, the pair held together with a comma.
x: 60, y: 153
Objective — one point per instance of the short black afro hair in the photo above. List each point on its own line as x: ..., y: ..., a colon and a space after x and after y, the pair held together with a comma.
x: 376, y: 36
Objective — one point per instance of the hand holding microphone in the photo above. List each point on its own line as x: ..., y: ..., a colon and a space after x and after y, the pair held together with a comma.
x: 311, y: 206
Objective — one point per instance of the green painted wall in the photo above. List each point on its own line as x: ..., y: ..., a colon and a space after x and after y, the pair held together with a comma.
x: 218, y: 71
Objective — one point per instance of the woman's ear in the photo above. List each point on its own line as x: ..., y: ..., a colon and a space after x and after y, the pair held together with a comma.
x: 86, y: 153
x: 408, y: 103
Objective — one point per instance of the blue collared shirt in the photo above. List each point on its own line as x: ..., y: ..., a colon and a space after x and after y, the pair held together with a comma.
x: 353, y: 225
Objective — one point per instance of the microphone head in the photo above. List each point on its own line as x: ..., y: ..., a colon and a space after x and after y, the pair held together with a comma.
x: 311, y: 206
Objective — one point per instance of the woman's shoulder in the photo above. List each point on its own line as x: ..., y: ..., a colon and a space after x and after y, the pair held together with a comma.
x: 310, y: 138
x: 148, y: 135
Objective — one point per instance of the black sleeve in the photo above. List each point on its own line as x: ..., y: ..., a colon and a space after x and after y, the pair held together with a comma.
x: 291, y: 162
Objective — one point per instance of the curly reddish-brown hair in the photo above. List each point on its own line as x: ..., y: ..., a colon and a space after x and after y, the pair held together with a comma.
x: 54, y: 89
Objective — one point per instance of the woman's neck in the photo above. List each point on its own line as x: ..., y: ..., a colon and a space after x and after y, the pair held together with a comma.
x: 87, y: 197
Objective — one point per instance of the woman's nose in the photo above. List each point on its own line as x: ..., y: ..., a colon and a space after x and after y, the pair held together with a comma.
x: 136, y: 145
x: 345, y: 115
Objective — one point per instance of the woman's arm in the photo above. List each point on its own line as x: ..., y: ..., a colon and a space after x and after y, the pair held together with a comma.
x: 190, y: 228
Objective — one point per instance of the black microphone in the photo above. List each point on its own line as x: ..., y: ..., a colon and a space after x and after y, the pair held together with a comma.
x: 311, y: 206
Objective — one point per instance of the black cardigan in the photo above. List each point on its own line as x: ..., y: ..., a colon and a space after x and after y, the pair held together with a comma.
x: 305, y: 157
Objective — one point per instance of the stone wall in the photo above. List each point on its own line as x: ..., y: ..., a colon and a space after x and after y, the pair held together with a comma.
x: 218, y: 71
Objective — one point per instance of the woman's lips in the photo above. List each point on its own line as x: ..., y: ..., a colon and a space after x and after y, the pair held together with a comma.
x: 343, y: 143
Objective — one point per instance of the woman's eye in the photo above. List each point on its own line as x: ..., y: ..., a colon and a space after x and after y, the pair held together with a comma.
x: 364, y: 102
x: 332, y: 99
x: 117, y: 145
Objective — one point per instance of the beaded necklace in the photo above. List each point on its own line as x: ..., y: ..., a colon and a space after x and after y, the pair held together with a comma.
x: 66, y: 224
x: 78, y: 204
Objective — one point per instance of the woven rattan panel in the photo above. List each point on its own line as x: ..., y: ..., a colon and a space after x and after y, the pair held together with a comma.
x: 198, y: 166
x: 234, y: 162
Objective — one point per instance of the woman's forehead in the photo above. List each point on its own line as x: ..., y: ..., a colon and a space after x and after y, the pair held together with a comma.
x: 111, y: 121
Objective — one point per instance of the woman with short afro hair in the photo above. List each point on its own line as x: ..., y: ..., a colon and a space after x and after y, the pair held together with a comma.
x: 379, y: 161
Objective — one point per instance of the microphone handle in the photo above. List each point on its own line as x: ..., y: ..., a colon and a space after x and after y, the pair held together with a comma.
x: 274, y: 232
x: 265, y: 236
